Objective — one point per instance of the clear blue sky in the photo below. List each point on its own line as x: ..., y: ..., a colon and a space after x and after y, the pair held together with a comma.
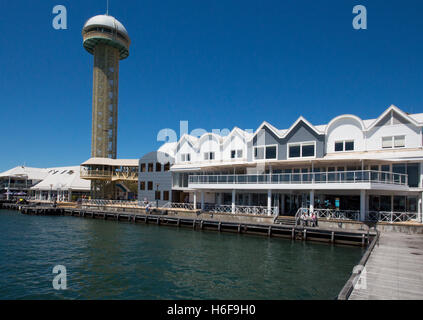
x: 217, y: 64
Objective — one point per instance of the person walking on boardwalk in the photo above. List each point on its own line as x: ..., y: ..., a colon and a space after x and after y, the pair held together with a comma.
x: 313, y: 219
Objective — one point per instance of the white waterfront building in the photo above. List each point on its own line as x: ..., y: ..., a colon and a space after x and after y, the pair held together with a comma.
x: 354, y: 168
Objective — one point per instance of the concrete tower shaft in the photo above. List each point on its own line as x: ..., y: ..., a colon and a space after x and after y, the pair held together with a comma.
x: 105, y: 101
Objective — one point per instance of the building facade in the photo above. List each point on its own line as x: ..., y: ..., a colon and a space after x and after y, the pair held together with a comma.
x: 155, y: 178
x: 359, y: 169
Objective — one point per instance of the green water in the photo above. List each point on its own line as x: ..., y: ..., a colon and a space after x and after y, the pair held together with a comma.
x: 118, y: 260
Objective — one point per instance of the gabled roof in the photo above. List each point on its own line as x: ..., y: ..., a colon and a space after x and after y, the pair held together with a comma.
x: 398, y: 111
x: 284, y: 133
x: 301, y: 118
x: 236, y: 131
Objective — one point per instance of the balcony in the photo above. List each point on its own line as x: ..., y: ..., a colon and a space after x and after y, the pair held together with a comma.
x: 319, y: 180
x: 109, y: 175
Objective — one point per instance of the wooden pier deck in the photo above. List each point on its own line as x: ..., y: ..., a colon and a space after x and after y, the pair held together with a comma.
x: 160, y: 217
x: 394, y: 270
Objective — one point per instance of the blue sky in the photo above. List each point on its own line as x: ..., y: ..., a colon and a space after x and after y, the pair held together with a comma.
x: 217, y: 64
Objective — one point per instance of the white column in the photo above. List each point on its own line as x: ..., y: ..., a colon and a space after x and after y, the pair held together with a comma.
x: 283, y: 204
x: 195, y: 200
x: 269, y: 202
x: 233, y: 200
x: 49, y: 195
x: 419, y: 209
x: 362, y: 205
x: 170, y: 195
x: 311, y: 201
x: 421, y: 175
x: 202, y: 200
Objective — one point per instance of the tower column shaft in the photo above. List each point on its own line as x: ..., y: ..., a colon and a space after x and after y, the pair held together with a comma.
x: 105, y: 101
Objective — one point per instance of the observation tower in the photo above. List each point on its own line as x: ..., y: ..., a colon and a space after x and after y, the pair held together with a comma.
x: 107, y: 39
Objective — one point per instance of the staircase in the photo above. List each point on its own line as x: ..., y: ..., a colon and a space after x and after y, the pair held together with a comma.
x: 285, y: 220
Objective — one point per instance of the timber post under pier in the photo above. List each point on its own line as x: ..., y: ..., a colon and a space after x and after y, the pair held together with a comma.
x: 162, y: 218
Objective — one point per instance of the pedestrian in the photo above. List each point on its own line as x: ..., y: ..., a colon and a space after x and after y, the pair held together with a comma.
x: 302, y: 218
x: 315, y: 221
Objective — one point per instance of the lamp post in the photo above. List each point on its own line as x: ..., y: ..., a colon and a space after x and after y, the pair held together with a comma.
x: 157, y: 200
x: 8, y: 190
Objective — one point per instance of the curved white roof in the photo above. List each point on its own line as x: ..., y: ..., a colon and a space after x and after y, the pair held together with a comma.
x: 108, y: 21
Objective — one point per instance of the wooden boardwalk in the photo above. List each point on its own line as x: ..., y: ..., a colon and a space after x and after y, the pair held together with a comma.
x: 394, y: 270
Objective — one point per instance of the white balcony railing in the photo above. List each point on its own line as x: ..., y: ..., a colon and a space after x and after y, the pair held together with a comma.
x: 358, y: 176
x: 387, y: 216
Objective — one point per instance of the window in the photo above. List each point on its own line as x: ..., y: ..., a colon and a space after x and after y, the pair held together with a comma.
x: 339, y: 146
x: 208, y: 155
x: 259, y: 153
x: 150, y: 167
x: 393, y: 142
x: 157, y: 195
x: 265, y: 152
x: 349, y: 145
x: 158, y: 167
x: 399, y: 141
x: 166, y: 195
x: 346, y: 145
x: 150, y: 185
x: 185, y: 157
x: 142, y: 185
x: 307, y: 150
x: 142, y: 168
x: 295, y: 151
x: 302, y: 150
x: 271, y: 152
x: 387, y: 142
x: 167, y: 167
x: 236, y: 153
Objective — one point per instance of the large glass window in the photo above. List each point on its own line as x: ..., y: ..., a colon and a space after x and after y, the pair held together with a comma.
x: 346, y: 145
x: 393, y: 142
x: 150, y: 185
x: 150, y: 167
x: 307, y: 150
x: 339, y: 146
x: 142, y: 185
x: 413, y: 174
x: 349, y: 145
x: 301, y: 150
x: 295, y: 151
x: 271, y: 152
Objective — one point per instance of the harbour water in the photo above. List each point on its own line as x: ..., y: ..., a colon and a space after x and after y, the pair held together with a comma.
x: 119, y: 260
